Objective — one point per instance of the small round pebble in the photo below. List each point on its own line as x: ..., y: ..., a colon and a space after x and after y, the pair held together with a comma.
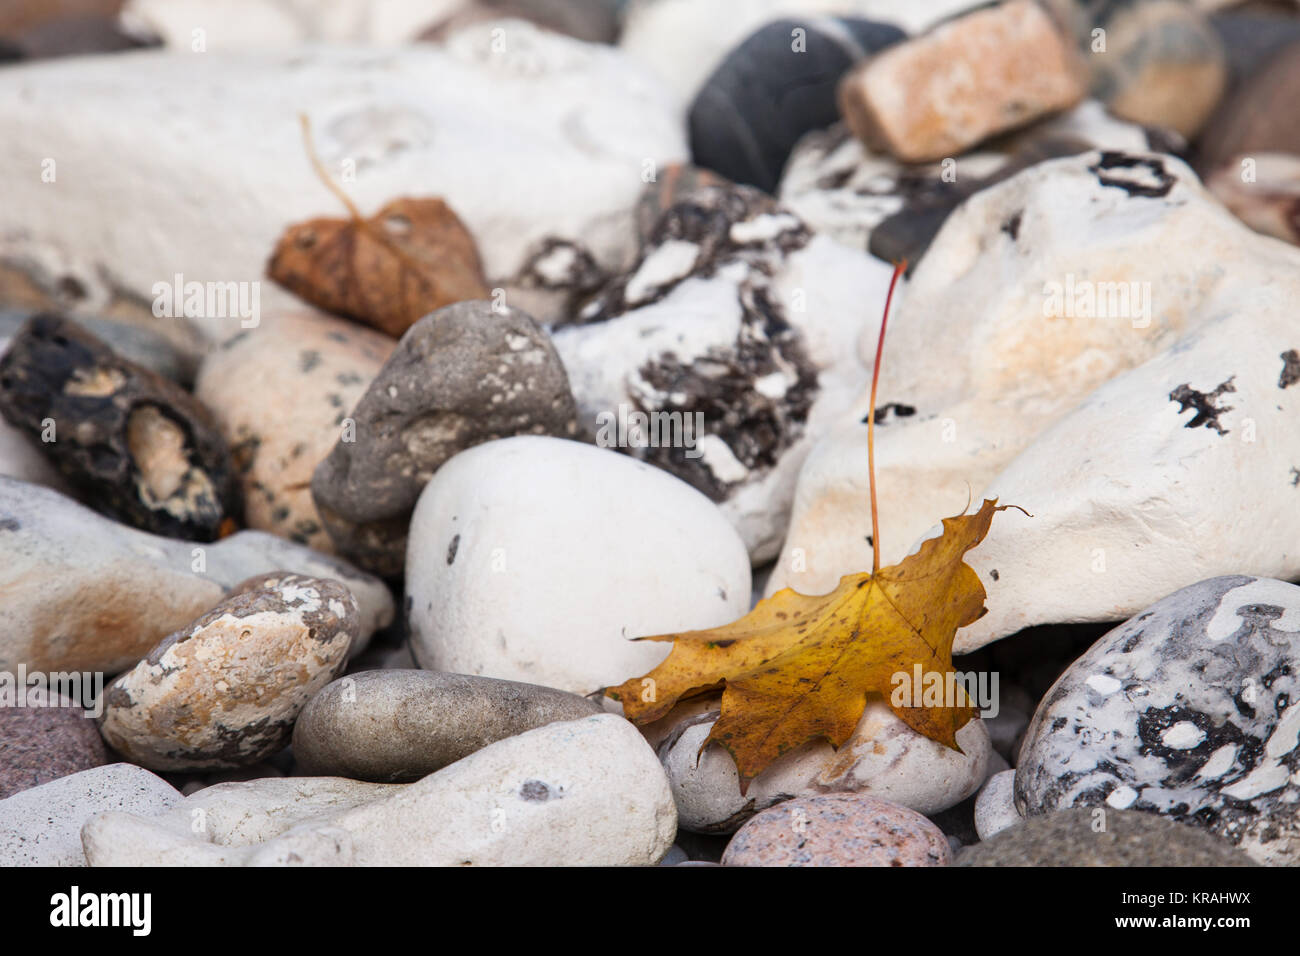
x: 838, y: 829
x: 39, y: 744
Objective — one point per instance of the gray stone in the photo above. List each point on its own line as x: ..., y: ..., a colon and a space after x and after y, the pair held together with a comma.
x: 225, y: 691
x: 1130, y: 838
x: 1189, y: 710
x: 462, y: 375
x: 397, y: 726
x: 42, y: 826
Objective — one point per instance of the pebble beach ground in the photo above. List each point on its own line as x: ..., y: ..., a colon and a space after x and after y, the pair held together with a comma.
x: 371, y: 376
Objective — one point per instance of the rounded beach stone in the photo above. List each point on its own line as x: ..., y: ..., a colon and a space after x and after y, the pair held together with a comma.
x: 396, y: 726
x: 40, y: 742
x: 225, y: 691
x: 838, y: 829
x: 1189, y: 710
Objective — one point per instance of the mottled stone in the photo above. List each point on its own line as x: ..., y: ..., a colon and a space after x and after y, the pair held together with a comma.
x: 1156, y: 62
x: 778, y: 84
x: 42, y: 741
x: 396, y: 726
x: 1190, y: 710
x: 282, y: 394
x: 85, y: 593
x: 136, y: 445
x: 838, y: 829
x: 985, y: 72
x: 1097, y: 837
x: 42, y: 826
x: 733, y: 334
x: 226, y: 690
x: 465, y: 374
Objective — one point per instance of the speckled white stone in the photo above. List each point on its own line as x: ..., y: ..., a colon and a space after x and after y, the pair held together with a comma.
x: 540, y: 559
x: 42, y: 826
x: 1197, y: 718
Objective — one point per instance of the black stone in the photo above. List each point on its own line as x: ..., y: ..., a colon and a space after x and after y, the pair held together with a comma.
x: 766, y: 95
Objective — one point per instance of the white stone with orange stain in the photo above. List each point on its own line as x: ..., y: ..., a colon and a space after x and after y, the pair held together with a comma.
x: 81, y: 592
x: 226, y: 691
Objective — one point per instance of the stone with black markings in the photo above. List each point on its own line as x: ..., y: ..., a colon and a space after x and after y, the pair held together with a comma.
x: 734, y: 335
x: 225, y: 691
x: 1191, y: 710
x: 135, y: 445
x: 468, y: 373
x: 1082, y: 388
x: 396, y: 726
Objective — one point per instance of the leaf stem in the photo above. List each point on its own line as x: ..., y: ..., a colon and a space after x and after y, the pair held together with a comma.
x: 899, y: 268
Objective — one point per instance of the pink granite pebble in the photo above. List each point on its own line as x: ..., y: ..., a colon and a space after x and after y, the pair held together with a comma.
x: 838, y: 829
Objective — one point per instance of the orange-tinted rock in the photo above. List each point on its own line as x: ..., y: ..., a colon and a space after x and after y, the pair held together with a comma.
x: 941, y: 93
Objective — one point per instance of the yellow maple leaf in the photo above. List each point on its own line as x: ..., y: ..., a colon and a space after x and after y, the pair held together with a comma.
x: 797, y: 667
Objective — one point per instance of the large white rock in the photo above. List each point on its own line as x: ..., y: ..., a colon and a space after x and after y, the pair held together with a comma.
x: 586, y: 792
x: 539, y: 559
x: 1182, y: 469
x: 884, y: 758
x: 683, y: 41
x: 42, y: 826
x: 984, y: 357
x: 739, y: 315
x: 82, y: 592
x: 217, y: 825
x: 546, y: 137
x: 237, y: 25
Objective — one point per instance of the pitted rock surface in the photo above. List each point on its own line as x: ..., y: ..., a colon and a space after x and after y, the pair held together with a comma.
x: 225, y: 691
x: 1189, y: 710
